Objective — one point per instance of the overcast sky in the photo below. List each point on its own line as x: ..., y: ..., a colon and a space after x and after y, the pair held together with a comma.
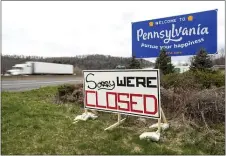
x: 72, y: 28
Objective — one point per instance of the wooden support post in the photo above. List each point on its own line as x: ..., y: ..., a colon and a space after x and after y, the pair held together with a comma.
x: 116, y: 124
x: 159, y: 125
x: 119, y: 117
x: 163, y: 116
x: 94, y: 111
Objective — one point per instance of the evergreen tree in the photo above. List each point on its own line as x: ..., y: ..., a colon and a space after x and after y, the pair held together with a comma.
x: 134, y: 64
x: 201, y: 61
x: 163, y: 62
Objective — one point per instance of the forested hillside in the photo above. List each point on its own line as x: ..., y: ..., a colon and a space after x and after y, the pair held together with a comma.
x: 82, y: 62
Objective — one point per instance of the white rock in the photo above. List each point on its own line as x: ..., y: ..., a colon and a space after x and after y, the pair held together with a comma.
x: 165, y: 126
x: 85, y: 116
x: 154, y: 136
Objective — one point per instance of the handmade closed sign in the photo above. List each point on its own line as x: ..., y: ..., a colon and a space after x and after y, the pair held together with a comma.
x: 132, y: 92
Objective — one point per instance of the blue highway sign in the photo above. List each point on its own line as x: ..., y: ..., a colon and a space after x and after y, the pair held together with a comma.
x: 179, y: 35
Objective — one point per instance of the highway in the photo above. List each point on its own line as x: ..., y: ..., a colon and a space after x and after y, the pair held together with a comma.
x: 24, y: 85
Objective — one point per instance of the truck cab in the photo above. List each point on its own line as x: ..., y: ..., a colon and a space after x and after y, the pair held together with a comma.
x: 20, y: 69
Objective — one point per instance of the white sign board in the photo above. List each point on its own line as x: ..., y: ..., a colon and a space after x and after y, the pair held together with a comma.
x: 131, y: 92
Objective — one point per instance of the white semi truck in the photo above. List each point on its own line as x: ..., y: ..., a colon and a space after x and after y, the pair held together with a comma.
x: 35, y: 68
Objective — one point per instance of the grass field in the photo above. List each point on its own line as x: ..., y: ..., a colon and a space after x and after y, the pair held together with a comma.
x: 33, y: 124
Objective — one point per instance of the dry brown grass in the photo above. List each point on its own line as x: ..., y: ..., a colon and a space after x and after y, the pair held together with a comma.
x: 204, y: 107
x: 194, y: 106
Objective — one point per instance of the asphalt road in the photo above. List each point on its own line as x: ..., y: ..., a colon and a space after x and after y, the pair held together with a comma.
x: 24, y: 85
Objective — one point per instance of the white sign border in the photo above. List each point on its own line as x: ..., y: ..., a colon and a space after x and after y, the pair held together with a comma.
x: 126, y: 70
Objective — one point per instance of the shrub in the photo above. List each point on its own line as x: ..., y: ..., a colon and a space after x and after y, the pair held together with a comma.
x: 70, y: 93
x: 185, y: 81
x: 208, y: 105
x: 200, y: 106
x: 219, y: 80
x: 209, y: 78
x: 169, y: 80
x: 65, y: 89
x: 193, y: 80
x: 198, y: 95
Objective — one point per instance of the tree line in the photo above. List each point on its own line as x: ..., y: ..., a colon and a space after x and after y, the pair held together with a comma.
x: 82, y: 62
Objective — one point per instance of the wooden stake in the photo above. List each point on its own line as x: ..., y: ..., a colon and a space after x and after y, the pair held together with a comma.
x: 86, y: 111
x: 117, y: 123
x: 159, y: 125
x: 163, y: 116
x: 94, y: 111
x: 119, y: 117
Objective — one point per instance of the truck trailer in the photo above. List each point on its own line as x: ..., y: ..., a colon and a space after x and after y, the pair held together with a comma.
x: 41, y: 68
